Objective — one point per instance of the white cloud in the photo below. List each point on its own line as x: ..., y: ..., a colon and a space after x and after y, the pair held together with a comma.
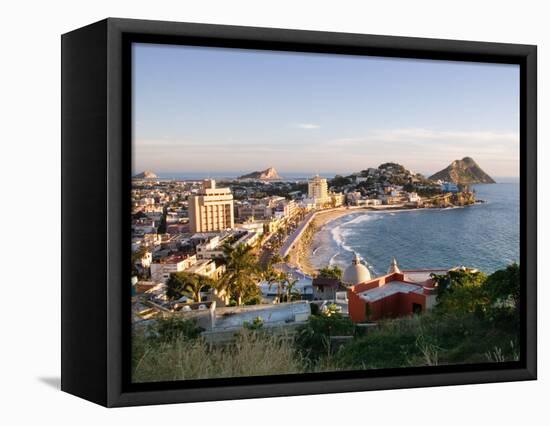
x: 307, y: 126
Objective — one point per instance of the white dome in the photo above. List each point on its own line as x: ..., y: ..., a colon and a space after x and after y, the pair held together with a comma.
x: 356, y: 273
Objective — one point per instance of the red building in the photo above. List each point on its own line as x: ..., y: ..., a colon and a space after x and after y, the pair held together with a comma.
x: 398, y: 293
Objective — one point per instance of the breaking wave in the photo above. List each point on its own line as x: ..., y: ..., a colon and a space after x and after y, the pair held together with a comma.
x: 339, y: 234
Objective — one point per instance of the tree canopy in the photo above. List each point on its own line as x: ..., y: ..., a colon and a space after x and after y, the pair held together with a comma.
x: 468, y: 291
x: 242, y: 273
x: 186, y: 284
x: 330, y: 272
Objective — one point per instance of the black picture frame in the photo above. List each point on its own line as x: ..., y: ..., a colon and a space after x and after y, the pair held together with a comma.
x: 96, y: 136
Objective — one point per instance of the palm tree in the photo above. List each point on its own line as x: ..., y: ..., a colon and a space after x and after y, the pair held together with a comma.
x: 241, y: 272
x: 290, y: 289
x: 186, y: 284
x: 330, y: 272
x: 198, y: 283
x: 274, y: 277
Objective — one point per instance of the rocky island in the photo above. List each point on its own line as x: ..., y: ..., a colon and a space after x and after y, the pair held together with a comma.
x: 268, y: 174
x: 147, y: 174
x: 463, y: 172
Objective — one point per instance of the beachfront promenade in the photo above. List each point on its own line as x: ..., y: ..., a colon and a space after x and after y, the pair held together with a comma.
x: 298, y: 232
x: 295, y: 236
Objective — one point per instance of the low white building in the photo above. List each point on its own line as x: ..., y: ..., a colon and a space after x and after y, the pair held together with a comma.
x: 161, y: 270
x: 413, y: 197
x: 212, y: 248
x: 206, y: 268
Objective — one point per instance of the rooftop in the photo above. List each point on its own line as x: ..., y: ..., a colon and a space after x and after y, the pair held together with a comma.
x: 280, y: 314
x: 174, y: 258
x: 199, y: 266
x: 420, y: 276
x: 389, y: 289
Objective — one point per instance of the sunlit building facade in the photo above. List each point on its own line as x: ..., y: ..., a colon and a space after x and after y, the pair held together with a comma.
x: 211, y: 209
x: 318, y: 190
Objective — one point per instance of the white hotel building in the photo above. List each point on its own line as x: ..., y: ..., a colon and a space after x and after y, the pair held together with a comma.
x: 211, y: 209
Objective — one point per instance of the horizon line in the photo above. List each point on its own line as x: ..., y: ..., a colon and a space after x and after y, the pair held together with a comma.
x: 312, y: 173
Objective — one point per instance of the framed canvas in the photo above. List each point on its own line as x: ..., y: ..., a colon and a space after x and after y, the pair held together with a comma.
x: 255, y: 212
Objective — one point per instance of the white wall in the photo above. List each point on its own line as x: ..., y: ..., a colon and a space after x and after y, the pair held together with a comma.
x: 30, y: 158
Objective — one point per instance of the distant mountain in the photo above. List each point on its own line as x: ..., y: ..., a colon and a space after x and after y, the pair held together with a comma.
x: 465, y: 171
x: 147, y: 174
x: 267, y: 174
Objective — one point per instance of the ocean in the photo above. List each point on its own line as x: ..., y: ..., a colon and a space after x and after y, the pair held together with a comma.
x: 483, y: 236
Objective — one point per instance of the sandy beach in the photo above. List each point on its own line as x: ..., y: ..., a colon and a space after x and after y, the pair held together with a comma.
x: 324, y: 217
x: 302, y: 250
x: 300, y: 254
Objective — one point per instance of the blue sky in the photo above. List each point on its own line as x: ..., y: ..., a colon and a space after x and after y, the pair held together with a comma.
x: 212, y: 110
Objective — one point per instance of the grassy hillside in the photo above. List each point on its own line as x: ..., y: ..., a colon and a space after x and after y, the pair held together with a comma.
x: 476, y: 321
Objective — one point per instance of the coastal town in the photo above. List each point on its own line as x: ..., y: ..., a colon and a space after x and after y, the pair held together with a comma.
x: 185, y: 233
x: 284, y: 225
x: 223, y: 265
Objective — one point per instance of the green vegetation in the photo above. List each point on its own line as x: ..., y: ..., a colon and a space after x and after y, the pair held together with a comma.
x: 291, y: 293
x: 162, y: 224
x: 339, y: 181
x: 256, y: 324
x: 473, y: 292
x: 395, y: 167
x: 313, y: 340
x: 333, y: 272
x: 475, y: 321
x: 242, y: 272
x: 185, y: 284
x: 275, y: 278
x: 171, y: 328
x: 431, y: 339
x: 461, y: 291
x: 239, y: 282
x: 502, y: 287
x: 428, y: 191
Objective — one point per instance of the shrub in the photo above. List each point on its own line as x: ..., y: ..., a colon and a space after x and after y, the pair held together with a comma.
x: 253, y: 300
x: 380, y: 350
x: 331, y: 272
x: 314, y: 307
x: 256, y: 324
x: 431, y: 339
x: 313, y: 339
x: 171, y: 328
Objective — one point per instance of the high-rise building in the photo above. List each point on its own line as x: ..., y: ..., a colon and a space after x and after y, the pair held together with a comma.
x: 211, y: 209
x: 318, y: 190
